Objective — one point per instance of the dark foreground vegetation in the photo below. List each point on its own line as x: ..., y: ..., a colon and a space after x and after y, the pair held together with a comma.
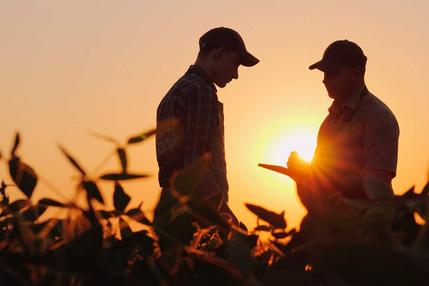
x: 351, y: 242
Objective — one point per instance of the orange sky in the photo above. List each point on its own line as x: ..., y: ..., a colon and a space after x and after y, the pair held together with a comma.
x: 70, y: 67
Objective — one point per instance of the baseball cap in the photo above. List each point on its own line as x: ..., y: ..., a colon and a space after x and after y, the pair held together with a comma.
x: 230, y: 39
x: 340, y: 54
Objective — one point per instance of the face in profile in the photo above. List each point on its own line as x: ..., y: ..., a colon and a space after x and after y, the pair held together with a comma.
x: 225, y: 67
x: 341, y: 82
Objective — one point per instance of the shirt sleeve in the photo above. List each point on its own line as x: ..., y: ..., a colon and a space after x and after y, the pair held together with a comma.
x: 381, y: 135
x: 201, y: 119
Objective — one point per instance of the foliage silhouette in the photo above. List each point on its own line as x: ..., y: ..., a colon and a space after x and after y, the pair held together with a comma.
x: 348, y: 242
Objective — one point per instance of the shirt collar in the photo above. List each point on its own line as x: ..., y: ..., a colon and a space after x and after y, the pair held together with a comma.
x: 351, y: 102
x: 201, y: 73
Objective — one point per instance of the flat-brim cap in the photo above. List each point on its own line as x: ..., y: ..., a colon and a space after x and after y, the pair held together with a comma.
x: 230, y: 39
x: 340, y: 54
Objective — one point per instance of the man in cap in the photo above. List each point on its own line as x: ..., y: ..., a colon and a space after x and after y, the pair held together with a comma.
x: 190, y: 120
x: 359, y: 137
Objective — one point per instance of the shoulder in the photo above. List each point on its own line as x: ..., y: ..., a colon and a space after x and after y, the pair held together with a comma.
x: 192, y: 84
x: 379, y: 114
x: 190, y: 88
x: 377, y: 109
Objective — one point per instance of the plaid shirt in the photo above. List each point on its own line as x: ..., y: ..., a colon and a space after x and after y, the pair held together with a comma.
x: 187, y: 117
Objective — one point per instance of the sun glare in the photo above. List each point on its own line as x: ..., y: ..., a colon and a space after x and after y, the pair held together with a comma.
x: 282, y: 143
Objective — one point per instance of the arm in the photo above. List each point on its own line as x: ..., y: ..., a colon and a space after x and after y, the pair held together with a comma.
x: 380, y: 137
x: 200, y: 121
x: 379, y: 157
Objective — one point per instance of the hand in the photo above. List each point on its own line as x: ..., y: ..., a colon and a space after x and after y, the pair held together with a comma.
x: 307, y: 189
x: 299, y: 169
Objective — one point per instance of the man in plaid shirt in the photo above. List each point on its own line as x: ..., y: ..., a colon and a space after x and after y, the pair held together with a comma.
x: 190, y: 119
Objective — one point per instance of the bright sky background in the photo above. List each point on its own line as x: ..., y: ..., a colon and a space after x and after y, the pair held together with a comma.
x: 71, y: 67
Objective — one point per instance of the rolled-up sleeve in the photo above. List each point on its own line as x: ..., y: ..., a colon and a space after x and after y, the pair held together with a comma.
x: 380, y: 143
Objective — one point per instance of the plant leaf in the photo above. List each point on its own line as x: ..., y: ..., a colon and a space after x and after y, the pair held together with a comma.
x: 274, y: 219
x: 125, y: 228
x: 34, y: 212
x: 263, y: 228
x: 92, y: 190
x: 4, y: 197
x: 83, y: 249
x: 120, y: 198
x: 140, y: 238
x: 106, y: 214
x: 186, y: 181
x: 73, y: 161
x: 3, y: 187
x: 425, y: 190
x: 409, y: 193
x: 18, y: 205
x: 283, y: 234
x: 141, y: 137
x: 122, y: 176
x: 123, y: 159
x: 206, y: 214
x: 51, y: 203
x: 138, y: 215
x: 239, y: 251
x: 105, y: 137
x: 23, y: 175
x: 15, y: 144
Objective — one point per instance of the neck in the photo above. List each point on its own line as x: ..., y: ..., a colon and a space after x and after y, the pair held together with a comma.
x: 352, y: 92
x: 205, y: 66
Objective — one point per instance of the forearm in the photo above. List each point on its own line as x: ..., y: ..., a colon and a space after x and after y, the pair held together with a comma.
x: 352, y: 183
x: 355, y: 183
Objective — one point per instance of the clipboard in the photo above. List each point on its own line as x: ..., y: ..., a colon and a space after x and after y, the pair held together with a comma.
x: 276, y: 168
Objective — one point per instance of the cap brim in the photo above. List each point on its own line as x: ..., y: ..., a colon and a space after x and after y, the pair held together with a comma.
x: 248, y: 60
x: 323, y: 66
x: 315, y: 65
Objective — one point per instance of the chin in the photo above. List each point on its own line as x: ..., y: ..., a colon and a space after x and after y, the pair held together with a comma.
x: 221, y: 84
x: 332, y: 95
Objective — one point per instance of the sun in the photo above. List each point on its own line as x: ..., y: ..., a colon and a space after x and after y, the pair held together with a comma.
x: 283, y: 142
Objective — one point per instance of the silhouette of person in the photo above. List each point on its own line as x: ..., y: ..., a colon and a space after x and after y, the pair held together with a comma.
x: 359, y: 137
x: 195, y: 122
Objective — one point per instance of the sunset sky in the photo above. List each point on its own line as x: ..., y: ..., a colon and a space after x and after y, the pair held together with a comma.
x: 68, y: 68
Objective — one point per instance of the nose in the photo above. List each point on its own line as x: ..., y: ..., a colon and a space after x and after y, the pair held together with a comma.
x: 325, y: 78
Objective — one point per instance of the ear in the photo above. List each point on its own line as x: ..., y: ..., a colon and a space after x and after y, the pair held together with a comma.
x: 218, y: 53
x: 358, y: 73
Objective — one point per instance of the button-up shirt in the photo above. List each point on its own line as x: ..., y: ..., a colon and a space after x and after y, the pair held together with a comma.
x: 189, y: 125
x: 358, y: 134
